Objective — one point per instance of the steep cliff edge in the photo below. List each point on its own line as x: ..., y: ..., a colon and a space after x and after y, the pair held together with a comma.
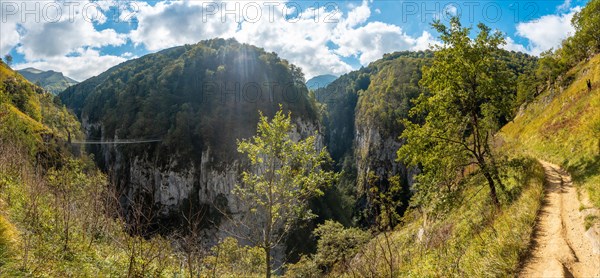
x: 180, y: 111
x: 362, y: 122
x: 364, y: 110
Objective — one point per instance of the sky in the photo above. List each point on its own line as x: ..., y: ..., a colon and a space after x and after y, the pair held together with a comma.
x: 85, y: 38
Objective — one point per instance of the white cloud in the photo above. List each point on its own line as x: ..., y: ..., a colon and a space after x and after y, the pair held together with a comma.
x: 564, y: 6
x: 88, y: 63
x: 358, y: 15
x: 61, y: 38
x: 9, y: 37
x: 425, y: 41
x: 317, y: 39
x: 547, y: 32
x: 371, y: 41
x: 53, y: 28
x: 451, y: 10
x: 169, y: 24
x: 511, y: 45
x: 300, y: 40
x: 59, y: 35
x: 302, y: 37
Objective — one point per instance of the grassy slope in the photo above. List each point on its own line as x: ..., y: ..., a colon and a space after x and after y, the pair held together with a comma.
x: 31, y: 217
x: 469, y: 240
x: 563, y: 127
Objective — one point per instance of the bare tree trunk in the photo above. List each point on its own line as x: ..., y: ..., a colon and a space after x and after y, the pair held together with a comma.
x: 492, y: 186
x: 268, y: 260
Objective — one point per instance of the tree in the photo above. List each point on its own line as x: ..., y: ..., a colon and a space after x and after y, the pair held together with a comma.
x: 337, y: 244
x: 471, y: 93
x: 8, y: 59
x: 587, y: 38
x: 284, y: 175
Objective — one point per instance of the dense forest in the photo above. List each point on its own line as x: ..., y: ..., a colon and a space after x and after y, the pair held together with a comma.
x: 215, y: 159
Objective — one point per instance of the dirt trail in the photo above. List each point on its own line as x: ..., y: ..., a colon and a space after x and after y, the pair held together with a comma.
x: 561, y: 247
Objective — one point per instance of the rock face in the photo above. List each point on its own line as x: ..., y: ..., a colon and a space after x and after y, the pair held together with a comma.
x: 376, y: 165
x: 168, y: 124
x: 376, y: 154
x: 173, y: 188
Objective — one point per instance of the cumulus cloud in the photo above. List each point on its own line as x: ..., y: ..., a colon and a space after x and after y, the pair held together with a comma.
x: 511, y: 45
x: 61, y: 38
x: 85, y: 64
x: 316, y: 38
x: 547, y: 32
x: 564, y: 6
x: 319, y: 39
x: 9, y: 37
x: 302, y: 40
x: 59, y: 35
x: 169, y: 24
x: 368, y: 43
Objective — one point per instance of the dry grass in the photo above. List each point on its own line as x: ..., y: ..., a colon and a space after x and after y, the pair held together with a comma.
x: 471, y: 240
x: 564, y: 128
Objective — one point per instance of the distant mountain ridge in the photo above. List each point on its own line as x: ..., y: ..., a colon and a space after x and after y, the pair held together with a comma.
x: 54, y: 82
x: 320, y: 81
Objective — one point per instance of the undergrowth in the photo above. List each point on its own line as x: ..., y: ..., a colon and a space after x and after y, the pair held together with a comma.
x: 471, y: 239
x: 563, y: 126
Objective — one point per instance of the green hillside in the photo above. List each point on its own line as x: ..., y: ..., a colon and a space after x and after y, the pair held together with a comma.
x: 53, y: 221
x: 457, y: 232
x: 320, y: 81
x: 54, y: 82
x: 218, y: 159
x: 192, y: 97
x: 562, y: 125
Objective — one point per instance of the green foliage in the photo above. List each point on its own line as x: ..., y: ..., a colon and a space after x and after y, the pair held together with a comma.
x: 51, y: 81
x: 468, y: 240
x: 20, y: 93
x: 554, y: 64
x: 230, y: 259
x: 396, y: 78
x: 386, y: 201
x: 305, y: 267
x: 389, y: 96
x: 379, y: 97
x: 586, y: 40
x: 470, y: 96
x: 589, y: 221
x: 561, y: 126
x: 58, y: 214
x: 193, y: 97
x: 8, y: 59
x: 337, y: 244
x: 336, y: 247
x: 285, y: 174
x: 8, y: 238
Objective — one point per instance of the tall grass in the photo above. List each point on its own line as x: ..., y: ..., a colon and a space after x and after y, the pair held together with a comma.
x: 563, y: 126
x: 471, y: 240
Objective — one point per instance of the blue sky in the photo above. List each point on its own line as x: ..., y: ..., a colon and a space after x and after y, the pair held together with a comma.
x: 85, y: 38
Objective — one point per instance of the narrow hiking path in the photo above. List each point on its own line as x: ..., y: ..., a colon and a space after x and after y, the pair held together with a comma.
x: 560, y: 245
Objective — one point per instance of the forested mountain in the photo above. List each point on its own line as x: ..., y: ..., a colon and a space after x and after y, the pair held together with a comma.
x: 452, y: 227
x: 54, y: 82
x: 194, y: 102
x: 59, y: 215
x: 42, y: 215
x: 219, y: 159
x: 320, y: 81
x: 362, y: 120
